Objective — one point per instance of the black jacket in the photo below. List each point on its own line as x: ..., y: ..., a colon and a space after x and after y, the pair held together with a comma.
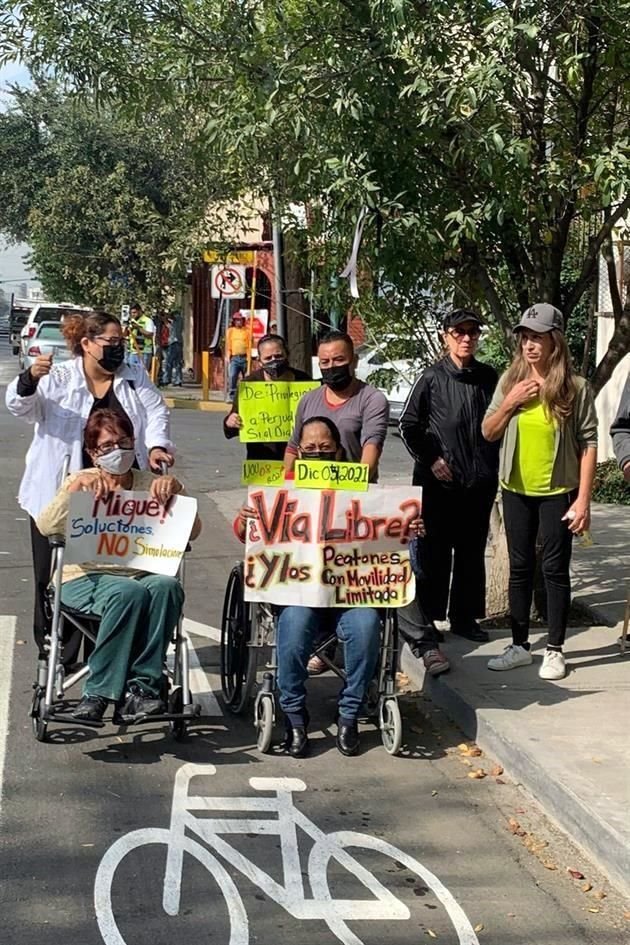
x: 442, y: 417
x: 265, y: 451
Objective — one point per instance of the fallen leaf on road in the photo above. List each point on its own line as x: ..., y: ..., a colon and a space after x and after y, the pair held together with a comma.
x: 593, y: 909
x: 20, y: 642
x: 434, y: 793
x: 521, y: 810
x: 575, y: 874
x: 431, y: 933
x: 465, y: 761
x: 500, y: 781
x: 477, y: 775
x: 586, y: 887
x: 626, y: 915
x: 479, y: 928
x: 549, y: 865
x: 496, y: 771
x: 463, y: 746
x: 599, y: 894
x: 511, y: 915
x: 515, y: 828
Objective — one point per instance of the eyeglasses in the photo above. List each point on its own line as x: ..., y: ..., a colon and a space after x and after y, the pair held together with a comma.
x: 465, y: 332
x: 125, y: 443
x: 112, y: 342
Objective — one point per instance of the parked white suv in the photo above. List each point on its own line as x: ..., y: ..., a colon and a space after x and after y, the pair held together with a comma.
x: 45, y: 312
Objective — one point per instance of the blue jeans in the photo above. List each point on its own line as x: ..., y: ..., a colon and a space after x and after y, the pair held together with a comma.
x: 237, y: 365
x: 172, y: 371
x: 359, y: 629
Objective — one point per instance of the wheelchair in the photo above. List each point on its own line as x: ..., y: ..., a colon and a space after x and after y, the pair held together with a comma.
x: 50, y: 706
x: 249, y: 628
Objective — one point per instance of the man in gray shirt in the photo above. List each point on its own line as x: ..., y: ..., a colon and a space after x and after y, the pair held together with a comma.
x: 360, y: 412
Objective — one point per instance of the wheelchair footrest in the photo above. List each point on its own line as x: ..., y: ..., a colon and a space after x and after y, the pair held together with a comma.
x: 66, y: 718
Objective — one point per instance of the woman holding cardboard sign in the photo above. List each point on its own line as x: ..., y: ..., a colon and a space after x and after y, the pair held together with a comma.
x: 138, y: 611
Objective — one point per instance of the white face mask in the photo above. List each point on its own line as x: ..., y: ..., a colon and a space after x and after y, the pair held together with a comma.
x: 118, y: 462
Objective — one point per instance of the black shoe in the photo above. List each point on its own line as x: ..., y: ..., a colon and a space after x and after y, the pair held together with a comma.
x: 137, y: 704
x: 470, y: 630
x: 91, y: 709
x: 348, y: 738
x: 297, y: 743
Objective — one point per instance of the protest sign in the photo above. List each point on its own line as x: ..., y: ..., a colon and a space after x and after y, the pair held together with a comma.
x: 129, y: 529
x: 315, y: 474
x: 262, y: 472
x: 267, y: 409
x: 331, y: 549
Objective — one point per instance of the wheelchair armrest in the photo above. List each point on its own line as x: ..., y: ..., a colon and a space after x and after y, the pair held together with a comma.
x: 57, y: 541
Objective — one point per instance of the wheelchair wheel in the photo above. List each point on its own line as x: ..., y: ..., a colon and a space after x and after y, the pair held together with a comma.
x: 390, y: 721
x: 40, y: 726
x: 177, y: 727
x: 238, y: 664
x: 264, y: 722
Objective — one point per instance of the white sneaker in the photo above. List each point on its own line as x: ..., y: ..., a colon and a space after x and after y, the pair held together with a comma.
x: 554, y: 665
x: 512, y: 656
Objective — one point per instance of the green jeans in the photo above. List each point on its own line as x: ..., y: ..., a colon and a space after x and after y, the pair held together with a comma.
x: 138, y: 616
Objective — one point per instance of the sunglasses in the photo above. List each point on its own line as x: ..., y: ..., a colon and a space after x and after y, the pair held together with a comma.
x: 465, y: 332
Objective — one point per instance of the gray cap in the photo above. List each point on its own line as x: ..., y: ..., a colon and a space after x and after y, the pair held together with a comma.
x: 541, y: 317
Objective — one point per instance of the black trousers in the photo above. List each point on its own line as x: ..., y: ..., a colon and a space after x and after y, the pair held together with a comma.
x: 416, y: 629
x: 523, y: 516
x: 452, y: 555
x: 42, y: 559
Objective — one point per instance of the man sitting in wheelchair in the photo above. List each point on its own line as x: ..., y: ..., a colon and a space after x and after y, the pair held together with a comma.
x: 137, y: 611
x: 358, y: 628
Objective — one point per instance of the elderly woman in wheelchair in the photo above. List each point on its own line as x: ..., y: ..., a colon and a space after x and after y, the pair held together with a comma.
x: 299, y: 630
x: 138, y: 611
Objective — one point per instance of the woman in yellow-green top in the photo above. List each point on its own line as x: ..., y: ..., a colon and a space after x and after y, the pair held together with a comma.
x: 544, y: 415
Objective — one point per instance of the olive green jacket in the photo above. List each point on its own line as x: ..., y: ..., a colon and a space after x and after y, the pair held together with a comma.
x: 572, y: 438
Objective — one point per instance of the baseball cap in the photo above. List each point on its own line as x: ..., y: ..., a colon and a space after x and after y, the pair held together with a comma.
x: 541, y: 317
x: 459, y: 316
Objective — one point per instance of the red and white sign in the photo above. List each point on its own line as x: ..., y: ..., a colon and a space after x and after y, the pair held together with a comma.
x: 259, y: 324
x: 228, y: 282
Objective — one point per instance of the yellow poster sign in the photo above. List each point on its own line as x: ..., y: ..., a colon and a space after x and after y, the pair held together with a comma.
x: 242, y: 257
x: 262, y: 472
x: 267, y: 409
x: 315, y: 474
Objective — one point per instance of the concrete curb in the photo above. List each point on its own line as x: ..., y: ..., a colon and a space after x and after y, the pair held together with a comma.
x: 598, y: 838
x: 208, y: 406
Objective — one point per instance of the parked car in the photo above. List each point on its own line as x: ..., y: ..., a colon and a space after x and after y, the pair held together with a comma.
x: 45, y: 312
x: 4, y: 326
x: 401, y: 375
x: 47, y: 339
x: 18, y: 316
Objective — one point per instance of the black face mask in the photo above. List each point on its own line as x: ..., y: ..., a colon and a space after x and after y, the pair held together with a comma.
x: 338, y: 377
x: 276, y: 368
x: 112, y: 357
x: 328, y: 456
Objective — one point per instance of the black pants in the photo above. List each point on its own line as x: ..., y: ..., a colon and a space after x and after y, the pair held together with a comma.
x: 524, y: 515
x: 456, y: 521
x: 416, y: 629
x: 42, y: 558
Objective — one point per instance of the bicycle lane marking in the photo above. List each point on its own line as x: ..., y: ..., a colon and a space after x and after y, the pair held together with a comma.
x: 7, y: 648
x: 291, y: 895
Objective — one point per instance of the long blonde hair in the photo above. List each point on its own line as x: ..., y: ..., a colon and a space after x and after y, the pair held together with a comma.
x: 559, y: 389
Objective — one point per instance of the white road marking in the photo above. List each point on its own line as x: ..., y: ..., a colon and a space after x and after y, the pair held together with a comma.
x: 200, y: 683
x: 5, y: 552
x: 202, y: 630
x: 7, y: 647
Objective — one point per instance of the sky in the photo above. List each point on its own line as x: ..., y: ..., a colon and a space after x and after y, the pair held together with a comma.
x: 12, y: 266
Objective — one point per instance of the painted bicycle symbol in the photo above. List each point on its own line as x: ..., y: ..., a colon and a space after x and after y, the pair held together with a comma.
x: 284, y: 821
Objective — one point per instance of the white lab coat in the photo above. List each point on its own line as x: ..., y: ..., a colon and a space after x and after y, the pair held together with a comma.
x: 60, y: 408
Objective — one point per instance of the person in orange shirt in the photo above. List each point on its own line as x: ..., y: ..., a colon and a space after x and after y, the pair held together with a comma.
x: 236, y: 345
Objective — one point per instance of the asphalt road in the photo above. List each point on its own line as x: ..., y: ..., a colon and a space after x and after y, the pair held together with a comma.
x: 86, y: 817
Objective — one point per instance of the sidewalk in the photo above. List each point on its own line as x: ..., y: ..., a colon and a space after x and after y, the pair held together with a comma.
x: 567, y: 742
x: 189, y: 397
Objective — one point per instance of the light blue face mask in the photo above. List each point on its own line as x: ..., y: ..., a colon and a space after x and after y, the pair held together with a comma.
x: 117, y: 462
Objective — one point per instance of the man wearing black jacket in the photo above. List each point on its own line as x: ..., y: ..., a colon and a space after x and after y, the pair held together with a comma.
x: 274, y: 366
x: 458, y: 470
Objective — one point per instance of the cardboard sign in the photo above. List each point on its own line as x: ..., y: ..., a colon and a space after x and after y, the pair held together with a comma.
x: 267, y: 409
x: 315, y: 474
x: 129, y: 529
x: 262, y: 472
x: 331, y: 549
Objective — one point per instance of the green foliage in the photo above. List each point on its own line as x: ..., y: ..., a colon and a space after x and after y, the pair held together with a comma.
x: 610, y: 485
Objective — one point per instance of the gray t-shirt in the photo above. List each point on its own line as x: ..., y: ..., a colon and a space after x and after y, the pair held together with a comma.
x: 361, y: 419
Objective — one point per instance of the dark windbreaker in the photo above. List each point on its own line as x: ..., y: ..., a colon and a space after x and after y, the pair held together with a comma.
x: 442, y: 417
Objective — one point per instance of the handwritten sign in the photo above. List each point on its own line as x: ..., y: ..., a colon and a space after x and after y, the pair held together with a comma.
x: 261, y: 472
x: 315, y: 474
x: 267, y: 409
x: 129, y: 529
x: 331, y: 549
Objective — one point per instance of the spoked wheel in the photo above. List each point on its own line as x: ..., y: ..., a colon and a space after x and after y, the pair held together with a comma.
x: 238, y: 664
x: 264, y: 722
x: 177, y: 727
x: 40, y: 725
x: 391, y: 726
